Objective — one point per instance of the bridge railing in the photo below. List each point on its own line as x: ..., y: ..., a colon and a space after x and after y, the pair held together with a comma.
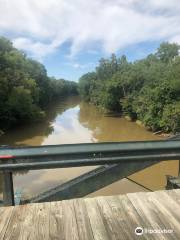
x: 88, y: 154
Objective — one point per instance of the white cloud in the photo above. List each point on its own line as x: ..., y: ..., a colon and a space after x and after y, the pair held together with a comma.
x: 77, y: 65
x: 36, y: 48
x: 42, y: 26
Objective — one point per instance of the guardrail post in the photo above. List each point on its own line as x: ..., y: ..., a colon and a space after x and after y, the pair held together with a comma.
x: 8, y: 190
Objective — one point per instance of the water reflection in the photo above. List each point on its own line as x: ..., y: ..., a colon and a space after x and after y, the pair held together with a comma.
x: 68, y: 129
x: 35, y: 134
x: 111, y: 128
x: 72, y: 121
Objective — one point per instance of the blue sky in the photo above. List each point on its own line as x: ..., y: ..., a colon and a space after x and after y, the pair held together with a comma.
x: 59, y: 65
x: 70, y: 36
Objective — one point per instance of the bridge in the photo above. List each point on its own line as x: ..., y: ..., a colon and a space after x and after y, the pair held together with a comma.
x: 114, y: 160
x: 98, y: 218
x: 101, y: 218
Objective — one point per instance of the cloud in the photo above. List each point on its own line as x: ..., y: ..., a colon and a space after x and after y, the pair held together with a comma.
x: 37, y: 49
x: 43, y: 26
x: 77, y: 65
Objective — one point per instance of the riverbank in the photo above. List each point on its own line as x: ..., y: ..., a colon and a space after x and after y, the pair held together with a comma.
x: 24, y: 98
x: 147, y: 89
x: 160, y: 133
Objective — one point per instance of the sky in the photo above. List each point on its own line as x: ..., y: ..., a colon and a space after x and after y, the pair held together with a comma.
x: 70, y: 36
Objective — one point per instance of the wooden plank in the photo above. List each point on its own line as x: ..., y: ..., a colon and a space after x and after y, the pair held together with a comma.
x: 5, y: 215
x: 107, y: 217
x: 175, y: 195
x: 100, y: 218
x: 150, y: 219
x: 15, y: 224
x: 152, y: 213
x: 29, y: 222
x: 166, y: 214
x: 8, y: 190
x: 177, y: 191
x: 69, y: 221
x: 132, y: 218
x: 114, y: 229
x: 56, y: 226
x: 83, y: 222
x: 97, y: 224
x: 120, y: 216
x: 172, y: 205
x: 127, y: 217
x: 29, y: 225
x: 42, y: 224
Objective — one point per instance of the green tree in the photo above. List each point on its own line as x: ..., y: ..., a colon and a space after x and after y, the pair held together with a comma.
x: 25, y: 87
x: 167, y: 51
x: 148, y: 89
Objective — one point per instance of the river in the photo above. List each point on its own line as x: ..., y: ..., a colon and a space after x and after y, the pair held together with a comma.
x: 73, y: 121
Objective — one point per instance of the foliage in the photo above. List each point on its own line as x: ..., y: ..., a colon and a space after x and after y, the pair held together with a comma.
x: 148, y: 89
x: 171, y: 117
x: 25, y: 88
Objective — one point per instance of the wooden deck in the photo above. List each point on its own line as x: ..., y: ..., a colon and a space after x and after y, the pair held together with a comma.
x: 99, y: 218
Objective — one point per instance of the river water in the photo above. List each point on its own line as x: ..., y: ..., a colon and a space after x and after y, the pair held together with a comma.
x: 73, y: 121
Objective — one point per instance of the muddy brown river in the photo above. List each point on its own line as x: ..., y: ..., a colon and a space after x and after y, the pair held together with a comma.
x: 72, y: 121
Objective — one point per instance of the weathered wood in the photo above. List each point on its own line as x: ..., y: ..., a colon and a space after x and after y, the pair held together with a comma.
x: 131, y: 216
x: 174, y: 195
x: 56, y: 227
x: 164, y: 213
x: 145, y: 210
x: 28, y: 229
x: 96, y: 221
x: 152, y: 212
x: 83, y: 222
x: 8, y: 190
x: 115, y: 230
x: 5, y: 216
x: 101, y: 218
x: 16, y: 223
x: 120, y: 216
x: 69, y: 224
x: 42, y: 227
x: 171, y: 204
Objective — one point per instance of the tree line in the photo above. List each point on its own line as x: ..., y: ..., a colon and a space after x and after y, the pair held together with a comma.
x: 147, y: 90
x: 25, y: 88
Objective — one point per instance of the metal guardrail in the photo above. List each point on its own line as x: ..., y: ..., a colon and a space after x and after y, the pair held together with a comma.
x: 75, y: 155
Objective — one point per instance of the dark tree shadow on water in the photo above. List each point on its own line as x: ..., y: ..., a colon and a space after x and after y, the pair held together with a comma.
x: 20, y: 135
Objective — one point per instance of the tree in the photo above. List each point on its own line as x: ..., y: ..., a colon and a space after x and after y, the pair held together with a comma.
x: 167, y: 51
x: 25, y: 87
x: 148, y: 89
x: 171, y: 118
x: 85, y: 84
x: 20, y: 104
